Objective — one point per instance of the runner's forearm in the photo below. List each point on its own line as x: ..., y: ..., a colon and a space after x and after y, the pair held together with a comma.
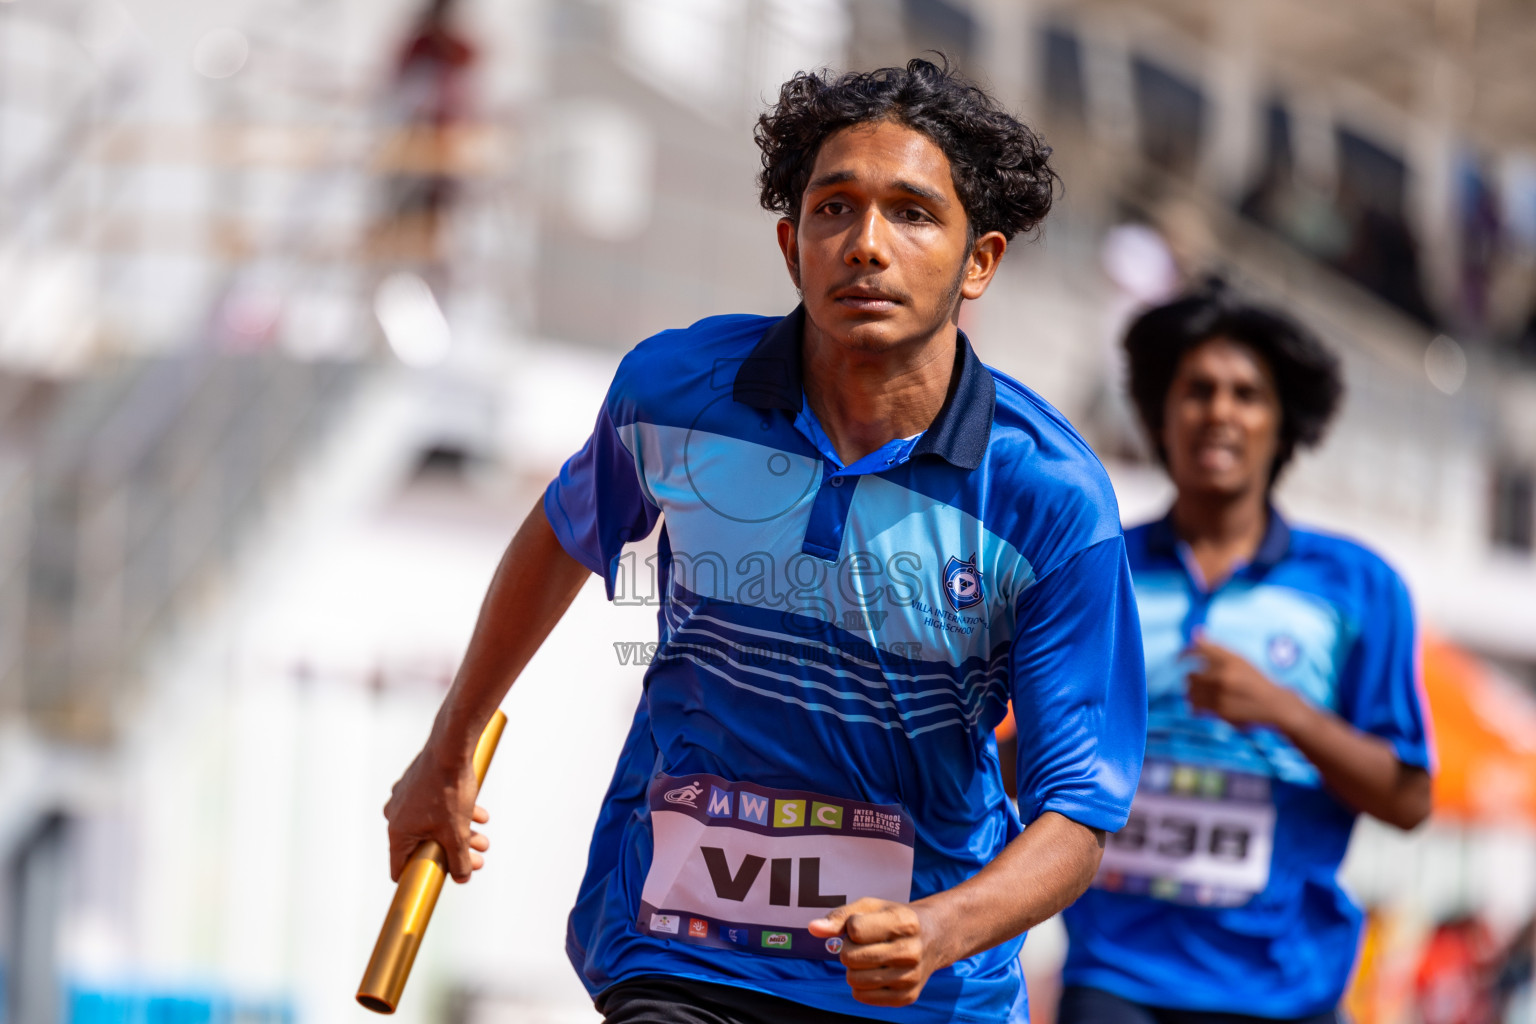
x: 1361, y: 769
x: 1036, y: 876
x: 534, y: 584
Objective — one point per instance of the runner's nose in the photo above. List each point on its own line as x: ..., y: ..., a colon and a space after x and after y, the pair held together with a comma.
x: 869, y: 247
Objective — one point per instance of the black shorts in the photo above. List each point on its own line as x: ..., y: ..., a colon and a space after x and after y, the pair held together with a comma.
x: 1092, y: 1006
x: 660, y: 1000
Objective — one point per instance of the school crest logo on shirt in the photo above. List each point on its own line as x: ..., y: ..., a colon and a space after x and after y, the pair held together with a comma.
x: 1284, y: 652
x: 962, y: 584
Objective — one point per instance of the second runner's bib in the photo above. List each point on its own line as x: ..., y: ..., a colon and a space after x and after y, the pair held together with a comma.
x: 740, y: 866
x: 1195, y: 835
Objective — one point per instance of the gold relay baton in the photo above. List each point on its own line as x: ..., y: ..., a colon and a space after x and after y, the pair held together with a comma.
x: 415, y: 897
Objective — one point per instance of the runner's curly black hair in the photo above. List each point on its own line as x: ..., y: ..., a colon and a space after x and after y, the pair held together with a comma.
x: 1308, y: 378
x: 998, y: 163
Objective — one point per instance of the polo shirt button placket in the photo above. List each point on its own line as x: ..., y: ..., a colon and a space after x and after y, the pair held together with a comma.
x: 837, y: 481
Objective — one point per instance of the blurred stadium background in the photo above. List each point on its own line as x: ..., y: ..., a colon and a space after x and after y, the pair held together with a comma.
x: 302, y: 302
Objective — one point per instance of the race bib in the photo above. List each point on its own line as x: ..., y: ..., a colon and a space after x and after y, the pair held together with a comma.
x: 746, y: 867
x: 1200, y: 836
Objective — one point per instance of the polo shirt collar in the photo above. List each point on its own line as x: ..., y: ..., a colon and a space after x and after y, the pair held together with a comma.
x: 1164, y: 540
x: 772, y: 378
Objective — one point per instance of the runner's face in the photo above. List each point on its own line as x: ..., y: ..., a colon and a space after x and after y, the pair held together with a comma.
x: 880, y: 251
x: 1221, y: 423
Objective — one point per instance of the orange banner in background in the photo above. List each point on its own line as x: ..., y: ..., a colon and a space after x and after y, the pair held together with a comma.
x: 1484, y: 728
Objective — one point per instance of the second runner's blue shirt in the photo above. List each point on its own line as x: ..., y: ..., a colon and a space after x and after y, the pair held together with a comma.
x: 836, y: 645
x: 1221, y: 894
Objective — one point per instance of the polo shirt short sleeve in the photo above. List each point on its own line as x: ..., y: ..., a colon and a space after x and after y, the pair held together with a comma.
x: 1379, y: 687
x: 1077, y: 755
x: 1248, y: 916
x: 836, y: 644
x: 598, y: 504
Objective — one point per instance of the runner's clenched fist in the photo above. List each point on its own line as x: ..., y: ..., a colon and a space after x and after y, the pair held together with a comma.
x: 1228, y: 685
x: 889, y: 949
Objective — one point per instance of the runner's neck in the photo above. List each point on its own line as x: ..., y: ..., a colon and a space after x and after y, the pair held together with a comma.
x: 864, y: 400
x: 1222, y: 534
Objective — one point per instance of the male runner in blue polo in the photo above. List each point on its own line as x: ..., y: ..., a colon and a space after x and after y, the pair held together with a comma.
x: 870, y: 543
x: 1283, y: 693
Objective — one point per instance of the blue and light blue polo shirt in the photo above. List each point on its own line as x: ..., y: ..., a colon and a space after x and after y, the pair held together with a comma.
x: 836, y: 644
x: 1221, y: 894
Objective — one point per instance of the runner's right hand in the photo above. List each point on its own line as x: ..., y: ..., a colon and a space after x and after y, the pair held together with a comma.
x: 889, y: 950
x: 435, y: 799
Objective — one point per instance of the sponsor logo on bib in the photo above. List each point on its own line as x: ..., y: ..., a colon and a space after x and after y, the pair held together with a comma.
x: 776, y: 940
x: 698, y: 929
x: 687, y: 795
x: 835, y: 945
x: 664, y: 923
